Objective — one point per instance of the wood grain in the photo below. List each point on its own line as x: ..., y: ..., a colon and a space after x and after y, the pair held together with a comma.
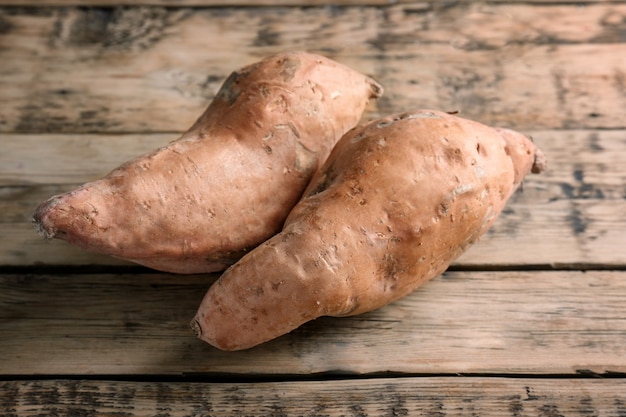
x: 566, y: 233
x: 559, y: 322
x: 525, y: 66
x: 377, y: 397
x: 70, y: 159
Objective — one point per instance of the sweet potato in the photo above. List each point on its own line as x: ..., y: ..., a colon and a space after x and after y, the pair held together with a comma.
x: 395, y: 203
x: 227, y: 184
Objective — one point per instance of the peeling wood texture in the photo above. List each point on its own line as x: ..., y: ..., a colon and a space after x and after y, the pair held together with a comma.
x: 529, y: 321
x: 377, y: 397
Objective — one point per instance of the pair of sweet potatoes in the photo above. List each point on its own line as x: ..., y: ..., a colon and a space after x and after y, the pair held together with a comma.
x: 391, y: 206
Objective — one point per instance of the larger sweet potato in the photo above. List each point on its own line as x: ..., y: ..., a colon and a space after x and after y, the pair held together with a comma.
x: 228, y: 183
x: 396, y: 202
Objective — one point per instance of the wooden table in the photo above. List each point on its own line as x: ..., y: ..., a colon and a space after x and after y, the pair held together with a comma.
x: 530, y: 321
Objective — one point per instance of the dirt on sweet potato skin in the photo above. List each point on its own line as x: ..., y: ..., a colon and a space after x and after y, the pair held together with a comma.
x: 202, y: 201
x: 395, y: 203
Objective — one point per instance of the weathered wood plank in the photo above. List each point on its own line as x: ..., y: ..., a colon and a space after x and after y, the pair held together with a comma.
x: 96, y: 70
x: 464, y: 322
x: 571, y: 214
x: 39, y: 159
x: 458, y: 396
x: 561, y: 233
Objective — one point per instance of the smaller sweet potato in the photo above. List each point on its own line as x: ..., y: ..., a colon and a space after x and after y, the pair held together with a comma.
x: 395, y: 203
x: 227, y: 184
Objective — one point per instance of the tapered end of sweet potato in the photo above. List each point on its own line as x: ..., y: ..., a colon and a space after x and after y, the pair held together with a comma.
x: 540, y: 162
x: 526, y: 156
x: 376, y: 90
x: 68, y: 216
x: 42, y: 222
x: 52, y: 218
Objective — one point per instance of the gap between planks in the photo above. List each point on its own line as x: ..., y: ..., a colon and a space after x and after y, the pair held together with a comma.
x: 61, y: 270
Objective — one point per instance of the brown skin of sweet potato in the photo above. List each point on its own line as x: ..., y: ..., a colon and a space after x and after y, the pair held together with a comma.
x: 227, y: 184
x: 396, y: 202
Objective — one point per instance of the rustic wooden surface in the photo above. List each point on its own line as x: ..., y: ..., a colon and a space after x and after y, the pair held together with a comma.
x: 530, y: 321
